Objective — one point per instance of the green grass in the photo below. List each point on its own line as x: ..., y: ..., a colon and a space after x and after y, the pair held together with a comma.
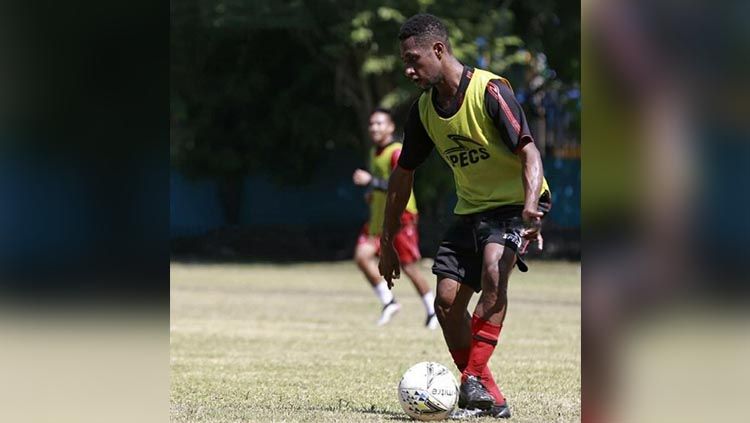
x: 297, y: 343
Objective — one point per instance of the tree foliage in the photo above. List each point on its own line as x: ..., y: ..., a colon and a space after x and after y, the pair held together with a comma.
x: 269, y: 86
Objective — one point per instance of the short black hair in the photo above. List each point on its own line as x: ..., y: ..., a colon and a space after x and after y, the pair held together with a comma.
x: 425, y: 27
x: 383, y: 110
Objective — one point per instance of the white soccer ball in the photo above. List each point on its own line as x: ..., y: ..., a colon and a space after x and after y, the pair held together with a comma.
x: 428, y: 391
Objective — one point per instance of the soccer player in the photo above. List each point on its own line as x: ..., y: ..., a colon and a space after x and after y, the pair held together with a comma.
x: 383, y: 158
x: 474, y: 121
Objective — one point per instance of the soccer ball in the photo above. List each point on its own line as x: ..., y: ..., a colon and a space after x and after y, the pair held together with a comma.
x: 428, y: 391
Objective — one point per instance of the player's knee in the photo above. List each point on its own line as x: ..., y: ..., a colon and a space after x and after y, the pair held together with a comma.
x: 362, y: 256
x: 442, y: 316
x: 443, y: 307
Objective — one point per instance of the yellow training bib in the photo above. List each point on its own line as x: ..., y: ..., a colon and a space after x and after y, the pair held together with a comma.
x: 380, y: 167
x: 486, y: 173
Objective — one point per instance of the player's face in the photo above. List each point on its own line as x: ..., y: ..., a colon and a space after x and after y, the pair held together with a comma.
x: 421, y: 65
x: 381, y: 128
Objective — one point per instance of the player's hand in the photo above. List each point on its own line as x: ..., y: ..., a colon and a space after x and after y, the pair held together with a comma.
x: 389, y: 265
x: 532, y: 222
x: 539, y: 240
x: 361, y: 177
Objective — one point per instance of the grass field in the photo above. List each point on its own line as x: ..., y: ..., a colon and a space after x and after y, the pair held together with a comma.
x: 297, y: 343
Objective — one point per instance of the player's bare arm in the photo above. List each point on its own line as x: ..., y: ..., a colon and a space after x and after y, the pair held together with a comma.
x: 364, y: 178
x: 361, y: 177
x: 532, y: 185
x: 399, y: 189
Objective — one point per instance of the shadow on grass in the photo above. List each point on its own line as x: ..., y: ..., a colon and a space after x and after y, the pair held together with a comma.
x: 389, y: 415
x: 344, y: 406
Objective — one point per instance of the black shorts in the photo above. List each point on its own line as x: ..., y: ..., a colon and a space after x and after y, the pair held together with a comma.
x: 461, y: 252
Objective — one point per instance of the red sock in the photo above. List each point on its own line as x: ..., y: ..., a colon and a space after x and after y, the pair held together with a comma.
x: 484, y: 338
x: 489, y: 382
x: 461, y: 358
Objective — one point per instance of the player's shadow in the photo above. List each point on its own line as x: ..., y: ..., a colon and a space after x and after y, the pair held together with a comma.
x: 344, y: 405
x: 389, y: 415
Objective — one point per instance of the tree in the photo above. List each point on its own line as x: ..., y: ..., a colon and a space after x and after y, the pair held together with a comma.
x: 263, y: 86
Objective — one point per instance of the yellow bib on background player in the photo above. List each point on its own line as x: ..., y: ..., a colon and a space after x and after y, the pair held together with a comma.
x: 380, y: 167
x: 487, y: 174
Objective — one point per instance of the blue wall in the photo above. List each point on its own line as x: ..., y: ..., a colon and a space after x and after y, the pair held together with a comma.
x: 564, y: 178
x: 328, y: 198
x: 194, y: 206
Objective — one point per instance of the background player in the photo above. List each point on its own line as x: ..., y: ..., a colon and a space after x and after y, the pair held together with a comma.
x: 474, y: 120
x: 383, y: 158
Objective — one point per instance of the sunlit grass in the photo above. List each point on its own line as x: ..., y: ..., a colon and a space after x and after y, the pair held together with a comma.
x: 297, y: 343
